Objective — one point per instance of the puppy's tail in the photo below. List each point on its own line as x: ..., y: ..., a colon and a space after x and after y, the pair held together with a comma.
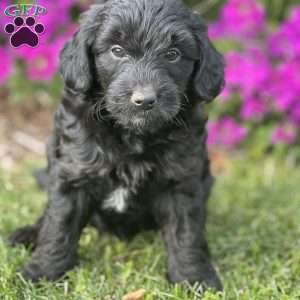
x: 42, y: 178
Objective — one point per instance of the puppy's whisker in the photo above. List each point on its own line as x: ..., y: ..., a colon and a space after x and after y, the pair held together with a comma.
x: 185, y: 97
x: 91, y: 113
x: 97, y: 111
x: 183, y: 123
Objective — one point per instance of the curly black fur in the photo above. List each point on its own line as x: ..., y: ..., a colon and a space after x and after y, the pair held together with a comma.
x: 116, y: 165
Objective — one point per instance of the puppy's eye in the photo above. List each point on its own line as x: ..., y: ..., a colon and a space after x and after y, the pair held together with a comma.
x: 173, y: 55
x: 118, y: 51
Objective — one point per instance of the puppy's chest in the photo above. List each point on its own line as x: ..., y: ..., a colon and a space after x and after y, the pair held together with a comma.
x: 127, y: 179
x: 136, y: 177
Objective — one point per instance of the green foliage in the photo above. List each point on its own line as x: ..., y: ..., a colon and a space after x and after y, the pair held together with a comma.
x: 276, y: 9
x: 22, y: 90
x: 253, y: 230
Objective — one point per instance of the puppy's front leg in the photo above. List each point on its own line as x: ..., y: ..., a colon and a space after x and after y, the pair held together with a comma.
x: 182, y: 220
x: 56, y: 250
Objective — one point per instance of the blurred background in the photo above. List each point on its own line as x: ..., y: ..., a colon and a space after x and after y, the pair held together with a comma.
x: 258, y: 112
x: 254, y: 141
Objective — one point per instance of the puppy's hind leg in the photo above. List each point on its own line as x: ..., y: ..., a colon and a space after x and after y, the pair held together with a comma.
x: 42, y: 178
x: 67, y: 213
x: 26, y: 235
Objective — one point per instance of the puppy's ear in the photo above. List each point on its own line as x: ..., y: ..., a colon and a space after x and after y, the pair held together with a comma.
x: 208, y: 79
x: 76, y: 58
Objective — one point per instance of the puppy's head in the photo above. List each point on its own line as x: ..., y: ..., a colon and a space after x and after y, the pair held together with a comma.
x: 145, y: 59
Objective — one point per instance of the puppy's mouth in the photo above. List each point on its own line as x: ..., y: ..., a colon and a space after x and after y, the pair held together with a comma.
x: 141, y: 121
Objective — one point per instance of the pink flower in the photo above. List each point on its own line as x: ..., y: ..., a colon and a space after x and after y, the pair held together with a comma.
x: 3, y: 18
x: 284, y: 134
x: 285, y: 42
x: 57, y: 18
x: 247, y: 72
x: 6, y: 68
x: 253, y: 109
x: 242, y: 19
x: 295, y: 113
x: 225, y: 132
x: 43, y: 61
x: 225, y: 94
x: 285, y: 88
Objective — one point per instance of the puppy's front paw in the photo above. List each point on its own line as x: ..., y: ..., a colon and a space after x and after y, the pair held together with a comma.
x: 34, y: 272
x: 199, y: 281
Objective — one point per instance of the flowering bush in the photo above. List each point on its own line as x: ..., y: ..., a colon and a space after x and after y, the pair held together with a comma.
x: 260, y: 100
x: 262, y: 94
x: 38, y: 65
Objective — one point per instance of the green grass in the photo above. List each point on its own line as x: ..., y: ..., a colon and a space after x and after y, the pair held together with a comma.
x: 253, y: 229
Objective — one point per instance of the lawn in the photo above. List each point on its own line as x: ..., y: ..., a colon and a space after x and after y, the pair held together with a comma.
x: 253, y: 229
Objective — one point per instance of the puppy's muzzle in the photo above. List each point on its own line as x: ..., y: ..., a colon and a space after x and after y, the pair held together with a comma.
x: 144, y: 97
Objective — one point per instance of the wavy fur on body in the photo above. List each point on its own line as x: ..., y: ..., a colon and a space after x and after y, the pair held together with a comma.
x: 119, y: 167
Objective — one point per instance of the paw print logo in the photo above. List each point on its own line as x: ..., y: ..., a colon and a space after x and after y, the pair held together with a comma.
x: 24, y: 33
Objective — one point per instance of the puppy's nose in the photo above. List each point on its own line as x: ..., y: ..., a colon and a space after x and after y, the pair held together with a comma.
x: 144, y: 97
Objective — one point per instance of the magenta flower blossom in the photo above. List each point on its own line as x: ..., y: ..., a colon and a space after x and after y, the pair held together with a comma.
x: 4, y: 19
x: 285, y: 88
x: 247, y: 72
x: 226, y: 132
x: 226, y: 93
x: 294, y: 114
x: 6, y: 68
x: 284, y: 134
x: 285, y: 42
x: 253, y: 109
x: 239, y: 19
x: 43, y: 61
x: 57, y: 18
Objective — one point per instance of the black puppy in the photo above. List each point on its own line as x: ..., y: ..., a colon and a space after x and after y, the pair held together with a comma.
x: 128, y: 149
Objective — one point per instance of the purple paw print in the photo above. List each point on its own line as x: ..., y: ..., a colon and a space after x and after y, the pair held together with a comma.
x: 26, y: 34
